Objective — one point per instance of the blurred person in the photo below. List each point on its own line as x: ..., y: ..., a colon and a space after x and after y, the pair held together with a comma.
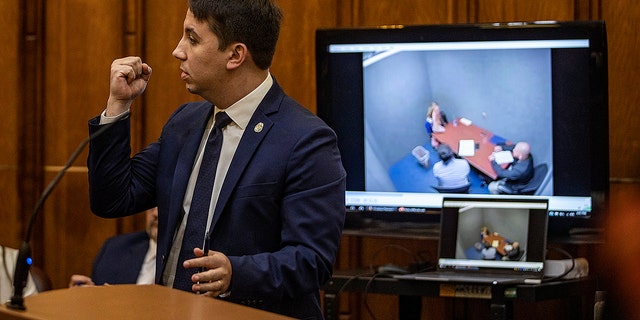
x: 436, y: 118
x: 435, y: 122
x: 8, y: 258
x: 125, y: 259
x: 450, y: 171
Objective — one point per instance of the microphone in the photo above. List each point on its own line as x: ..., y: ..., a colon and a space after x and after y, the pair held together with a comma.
x: 23, y: 263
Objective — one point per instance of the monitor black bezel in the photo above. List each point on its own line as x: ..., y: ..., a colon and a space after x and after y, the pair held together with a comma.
x: 344, y: 120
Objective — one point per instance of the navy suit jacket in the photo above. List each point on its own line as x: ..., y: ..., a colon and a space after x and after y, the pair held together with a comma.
x: 120, y: 259
x: 280, y: 212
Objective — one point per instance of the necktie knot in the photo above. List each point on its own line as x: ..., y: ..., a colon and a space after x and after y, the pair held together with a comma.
x: 222, y: 119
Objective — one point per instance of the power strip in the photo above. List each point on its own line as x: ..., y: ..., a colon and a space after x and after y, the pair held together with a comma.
x: 554, y: 268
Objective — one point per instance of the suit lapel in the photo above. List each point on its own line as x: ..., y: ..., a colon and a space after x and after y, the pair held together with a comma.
x: 184, y: 166
x: 256, y: 130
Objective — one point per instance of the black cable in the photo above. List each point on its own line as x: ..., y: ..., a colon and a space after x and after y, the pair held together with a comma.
x: 424, y: 264
x: 416, y: 257
x: 344, y: 285
x: 72, y: 158
x: 566, y: 272
x: 366, y: 294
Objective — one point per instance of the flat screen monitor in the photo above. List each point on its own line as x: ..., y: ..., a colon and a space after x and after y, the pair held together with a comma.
x: 497, y: 84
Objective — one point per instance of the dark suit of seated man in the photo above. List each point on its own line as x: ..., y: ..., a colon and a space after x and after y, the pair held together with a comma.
x: 514, y: 177
x: 125, y: 259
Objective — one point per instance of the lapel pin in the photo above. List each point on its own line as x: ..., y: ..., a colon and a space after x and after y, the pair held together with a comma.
x: 258, y: 127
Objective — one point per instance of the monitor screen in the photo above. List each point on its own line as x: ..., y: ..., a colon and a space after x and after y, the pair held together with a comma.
x: 535, y: 88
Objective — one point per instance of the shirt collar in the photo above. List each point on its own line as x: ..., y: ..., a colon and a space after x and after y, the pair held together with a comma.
x: 241, y: 111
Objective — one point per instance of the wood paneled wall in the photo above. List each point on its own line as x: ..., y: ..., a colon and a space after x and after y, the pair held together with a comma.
x: 10, y: 102
x: 56, y: 57
x: 623, y: 23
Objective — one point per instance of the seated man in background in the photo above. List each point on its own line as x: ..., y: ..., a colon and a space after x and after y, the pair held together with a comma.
x: 125, y: 259
x: 514, y: 176
x: 450, y: 171
x: 8, y: 258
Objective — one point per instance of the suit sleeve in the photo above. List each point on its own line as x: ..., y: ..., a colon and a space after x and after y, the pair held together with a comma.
x: 118, y: 184
x: 515, y: 172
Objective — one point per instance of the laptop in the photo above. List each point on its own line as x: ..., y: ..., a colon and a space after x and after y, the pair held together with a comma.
x: 489, y: 241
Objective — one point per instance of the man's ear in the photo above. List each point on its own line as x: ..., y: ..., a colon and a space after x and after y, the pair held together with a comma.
x: 238, y: 54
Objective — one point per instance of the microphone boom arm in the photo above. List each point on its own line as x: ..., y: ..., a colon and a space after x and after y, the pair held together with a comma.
x: 23, y: 263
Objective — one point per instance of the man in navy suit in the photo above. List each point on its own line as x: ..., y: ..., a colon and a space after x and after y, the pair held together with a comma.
x: 128, y: 258
x: 277, y: 207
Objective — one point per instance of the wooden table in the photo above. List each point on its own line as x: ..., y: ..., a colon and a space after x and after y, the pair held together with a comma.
x: 482, y: 138
x: 129, y: 302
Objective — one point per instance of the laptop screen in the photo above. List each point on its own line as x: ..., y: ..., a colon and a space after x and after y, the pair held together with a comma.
x: 507, y: 235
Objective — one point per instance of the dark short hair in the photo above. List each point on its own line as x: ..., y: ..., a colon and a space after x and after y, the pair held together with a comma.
x: 256, y: 23
x: 445, y: 152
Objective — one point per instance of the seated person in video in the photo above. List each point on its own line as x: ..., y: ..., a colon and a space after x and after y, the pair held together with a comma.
x: 512, y: 250
x: 513, y: 176
x: 436, y: 118
x: 494, y: 246
x: 435, y: 122
x: 450, y: 171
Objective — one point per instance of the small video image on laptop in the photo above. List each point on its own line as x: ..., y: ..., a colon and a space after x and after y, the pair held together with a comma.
x: 502, y: 236
x: 484, y: 240
x: 493, y: 234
